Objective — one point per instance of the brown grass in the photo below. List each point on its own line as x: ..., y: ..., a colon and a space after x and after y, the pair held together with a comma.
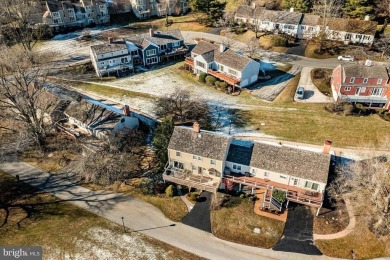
x: 323, y: 83
x: 59, y: 226
x: 330, y: 222
x: 236, y: 224
x: 311, y: 49
x: 361, y: 241
x: 172, y: 207
x: 287, y: 95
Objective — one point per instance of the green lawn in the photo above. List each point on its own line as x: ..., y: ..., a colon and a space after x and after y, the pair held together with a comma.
x: 37, y: 218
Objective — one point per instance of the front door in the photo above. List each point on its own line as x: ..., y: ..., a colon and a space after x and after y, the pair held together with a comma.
x: 200, y: 170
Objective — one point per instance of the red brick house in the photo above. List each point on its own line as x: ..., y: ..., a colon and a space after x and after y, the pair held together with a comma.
x: 362, y: 83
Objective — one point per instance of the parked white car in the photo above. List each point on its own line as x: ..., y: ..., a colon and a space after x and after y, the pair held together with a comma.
x: 300, y: 93
x: 346, y: 58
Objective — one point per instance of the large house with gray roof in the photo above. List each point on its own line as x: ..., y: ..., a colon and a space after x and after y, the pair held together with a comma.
x: 307, y: 26
x: 145, y: 9
x: 223, y: 63
x: 211, y: 161
x: 67, y: 14
x: 120, y: 56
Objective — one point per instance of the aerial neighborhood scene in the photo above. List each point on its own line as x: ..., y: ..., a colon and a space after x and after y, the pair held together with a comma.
x: 194, y: 129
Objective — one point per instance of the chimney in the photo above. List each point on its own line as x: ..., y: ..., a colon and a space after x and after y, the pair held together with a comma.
x: 222, y: 47
x: 151, y: 33
x: 110, y: 40
x: 367, y: 18
x: 253, y: 5
x: 196, y: 128
x: 327, y: 147
x: 291, y: 9
x: 368, y: 63
x: 126, y: 110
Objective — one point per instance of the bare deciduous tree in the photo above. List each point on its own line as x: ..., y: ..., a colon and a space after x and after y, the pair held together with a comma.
x: 366, y: 182
x: 253, y: 47
x: 22, y: 91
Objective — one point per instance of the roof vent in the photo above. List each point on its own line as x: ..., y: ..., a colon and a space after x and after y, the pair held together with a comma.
x: 368, y: 63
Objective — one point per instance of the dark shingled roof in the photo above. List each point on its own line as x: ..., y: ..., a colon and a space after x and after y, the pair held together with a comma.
x: 232, y: 60
x: 362, y: 71
x: 164, y: 37
x: 245, y: 11
x: 351, y: 25
x: 310, y: 19
x: 205, y: 144
x: 109, y: 47
x: 239, y: 153
x: 295, y: 162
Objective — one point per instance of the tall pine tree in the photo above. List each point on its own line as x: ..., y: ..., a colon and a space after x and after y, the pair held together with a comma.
x: 303, y: 6
x: 358, y: 8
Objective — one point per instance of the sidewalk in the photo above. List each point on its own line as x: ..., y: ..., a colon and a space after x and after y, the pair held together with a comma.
x: 141, y: 217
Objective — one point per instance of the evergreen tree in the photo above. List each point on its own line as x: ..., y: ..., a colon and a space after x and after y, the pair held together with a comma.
x: 214, y: 9
x: 357, y: 8
x: 303, y: 6
x: 162, y: 135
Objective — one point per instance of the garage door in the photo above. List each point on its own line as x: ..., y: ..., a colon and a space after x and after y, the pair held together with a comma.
x: 244, y: 83
x: 253, y: 78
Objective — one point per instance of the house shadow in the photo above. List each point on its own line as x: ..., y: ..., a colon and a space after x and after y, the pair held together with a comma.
x: 282, y: 78
x: 308, y: 94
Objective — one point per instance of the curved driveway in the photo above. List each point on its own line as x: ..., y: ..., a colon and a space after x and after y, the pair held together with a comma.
x: 142, y: 217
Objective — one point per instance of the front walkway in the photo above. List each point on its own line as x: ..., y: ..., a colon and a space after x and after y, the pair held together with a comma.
x: 141, y: 216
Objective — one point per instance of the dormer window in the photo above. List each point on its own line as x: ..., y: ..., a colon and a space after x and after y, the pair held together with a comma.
x: 365, y: 80
x: 379, y: 81
x: 351, y: 80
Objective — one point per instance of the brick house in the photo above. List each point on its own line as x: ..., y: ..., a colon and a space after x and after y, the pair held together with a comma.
x: 361, y: 83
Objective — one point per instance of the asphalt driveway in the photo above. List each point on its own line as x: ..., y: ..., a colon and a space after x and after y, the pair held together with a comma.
x: 199, y: 216
x: 298, y: 232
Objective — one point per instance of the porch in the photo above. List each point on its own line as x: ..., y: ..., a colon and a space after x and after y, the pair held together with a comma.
x: 295, y: 194
x: 169, y: 54
x: 224, y: 77
x: 187, y: 178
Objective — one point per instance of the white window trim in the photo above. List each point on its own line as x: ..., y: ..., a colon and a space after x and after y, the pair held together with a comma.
x: 150, y: 52
x: 178, y: 154
x: 347, y: 88
x: 379, y: 81
x: 365, y: 80
x: 352, y: 80
x: 213, y: 162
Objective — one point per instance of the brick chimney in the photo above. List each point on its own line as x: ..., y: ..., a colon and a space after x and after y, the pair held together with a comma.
x: 151, y: 33
x: 196, y: 127
x: 126, y: 110
x: 110, y: 40
x: 327, y: 146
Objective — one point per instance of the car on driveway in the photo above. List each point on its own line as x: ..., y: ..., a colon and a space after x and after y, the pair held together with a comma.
x: 300, y: 93
x: 346, y: 58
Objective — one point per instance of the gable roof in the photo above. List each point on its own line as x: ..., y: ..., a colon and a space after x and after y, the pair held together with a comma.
x: 310, y: 19
x: 362, y: 71
x: 245, y: 11
x: 351, y: 25
x: 295, y: 162
x: 164, y: 37
x: 204, y: 47
x: 108, y: 47
x: 206, y: 144
x: 232, y: 60
x: 240, y: 152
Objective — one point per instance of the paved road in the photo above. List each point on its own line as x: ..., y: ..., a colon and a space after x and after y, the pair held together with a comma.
x: 142, y: 217
x: 312, y: 94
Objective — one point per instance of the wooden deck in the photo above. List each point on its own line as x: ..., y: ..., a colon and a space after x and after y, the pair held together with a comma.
x: 224, y: 77
x: 293, y: 193
x: 258, y: 204
x: 189, y: 61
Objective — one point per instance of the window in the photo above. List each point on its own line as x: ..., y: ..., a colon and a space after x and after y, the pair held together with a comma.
x: 379, y: 81
x: 236, y: 167
x: 357, y: 91
x: 365, y: 80
x: 176, y: 44
x: 347, y: 88
x: 254, y: 171
x: 303, y: 27
x: 212, y: 162
x: 194, y: 167
x: 200, y: 64
x: 163, y: 47
x: 351, y: 80
x: 233, y: 72
x: 265, y: 174
x: 199, y: 158
x: 102, y: 63
x: 124, y: 60
x: 122, y: 120
x: 150, y: 52
x: 362, y: 89
x: 221, y: 67
x: 151, y: 60
x: 177, y: 153
x: 178, y: 165
x: 282, y: 177
x: 311, y: 185
x: 377, y: 91
x: 296, y: 182
x: 194, y: 157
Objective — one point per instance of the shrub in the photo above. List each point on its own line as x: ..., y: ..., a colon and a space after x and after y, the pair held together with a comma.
x: 360, y: 108
x: 170, y: 191
x: 223, y: 85
x: 217, y: 83
x: 348, y: 109
x: 147, y: 186
x: 382, y: 111
x: 279, y: 42
x: 210, y: 80
x: 279, y: 195
x: 193, y: 196
x: 202, y: 77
